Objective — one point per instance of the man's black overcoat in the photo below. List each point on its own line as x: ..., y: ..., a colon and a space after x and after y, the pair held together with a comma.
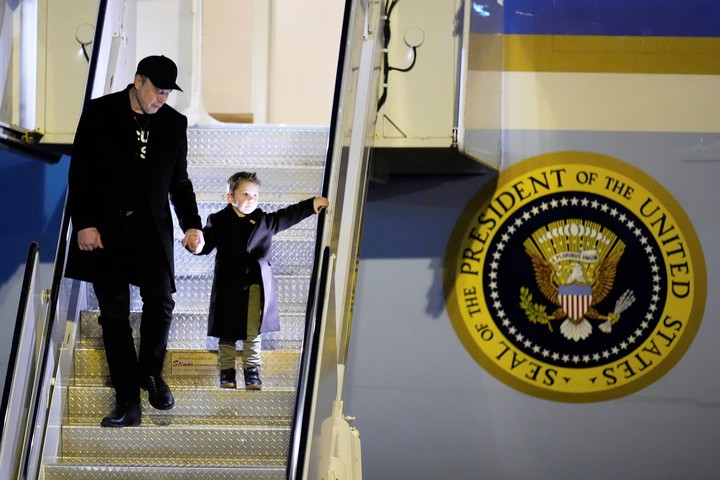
x: 105, y: 143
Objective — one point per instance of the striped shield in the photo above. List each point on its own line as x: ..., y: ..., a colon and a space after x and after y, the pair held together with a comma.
x: 575, y: 300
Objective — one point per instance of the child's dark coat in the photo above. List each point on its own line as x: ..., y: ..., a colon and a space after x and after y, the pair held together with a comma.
x: 229, y: 297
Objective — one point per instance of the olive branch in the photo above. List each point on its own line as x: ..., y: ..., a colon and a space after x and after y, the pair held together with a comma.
x: 535, y: 312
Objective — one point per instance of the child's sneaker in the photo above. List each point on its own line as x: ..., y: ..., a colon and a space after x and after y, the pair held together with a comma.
x: 252, y: 378
x: 227, y: 378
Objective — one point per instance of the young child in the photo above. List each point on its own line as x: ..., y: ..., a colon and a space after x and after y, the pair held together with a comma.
x: 243, y: 301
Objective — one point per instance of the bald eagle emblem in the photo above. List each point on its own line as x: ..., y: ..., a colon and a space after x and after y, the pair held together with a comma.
x: 575, y: 263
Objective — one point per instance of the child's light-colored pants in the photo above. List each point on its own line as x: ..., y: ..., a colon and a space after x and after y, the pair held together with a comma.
x: 252, y: 346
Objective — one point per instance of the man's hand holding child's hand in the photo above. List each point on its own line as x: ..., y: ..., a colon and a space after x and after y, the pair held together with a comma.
x: 194, y: 240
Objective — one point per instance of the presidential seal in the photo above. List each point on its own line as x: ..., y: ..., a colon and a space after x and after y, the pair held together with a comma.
x: 578, y: 278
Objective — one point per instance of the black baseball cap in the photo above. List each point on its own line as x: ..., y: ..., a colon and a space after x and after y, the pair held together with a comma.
x: 161, y: 71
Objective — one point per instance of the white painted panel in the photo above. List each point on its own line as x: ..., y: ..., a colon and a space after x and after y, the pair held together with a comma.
x: 611, y: 102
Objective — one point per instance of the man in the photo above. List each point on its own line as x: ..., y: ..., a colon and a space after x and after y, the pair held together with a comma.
x: 128, y: 163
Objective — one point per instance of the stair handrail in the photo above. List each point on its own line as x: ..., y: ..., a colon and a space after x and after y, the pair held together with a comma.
x: 35, y: 429
x: 304, y: 392
x: 16, y: 396
x: 354, y: 109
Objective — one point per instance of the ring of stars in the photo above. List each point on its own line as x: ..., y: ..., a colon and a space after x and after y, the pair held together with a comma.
x: 544, y: 352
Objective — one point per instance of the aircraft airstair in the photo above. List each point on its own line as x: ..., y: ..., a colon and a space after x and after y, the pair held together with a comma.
x: 211, y: 432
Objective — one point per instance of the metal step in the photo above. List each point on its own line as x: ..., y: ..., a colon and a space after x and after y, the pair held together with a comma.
x: 267, y: 145
x: 213, y: 445
x: 69, y: 471
x: 286, y: 182
x: 306, y: 228
x: 193, y: 292
x: 189, y: 330
x: 303, y: 230
x: 87, y: 405
x: 279, y: 369
x: 290, y: 256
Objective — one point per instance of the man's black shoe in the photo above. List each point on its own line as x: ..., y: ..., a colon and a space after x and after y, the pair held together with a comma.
x: 124, y: 415
x: 159, y: 393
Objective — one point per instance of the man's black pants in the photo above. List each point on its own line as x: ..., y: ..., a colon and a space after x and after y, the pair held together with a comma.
x: 137, y: 259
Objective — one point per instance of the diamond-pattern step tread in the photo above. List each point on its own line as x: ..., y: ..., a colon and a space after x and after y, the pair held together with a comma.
x: 275, y: 145
x: 279, y: 369
x: 201, y: 445
x: 289, y: 257
x: 193, y: 292
x: 193, y: 405
x: 284, y: 180
x: 70, y: 471
x: 211, y: 203
x: 189, y: 331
